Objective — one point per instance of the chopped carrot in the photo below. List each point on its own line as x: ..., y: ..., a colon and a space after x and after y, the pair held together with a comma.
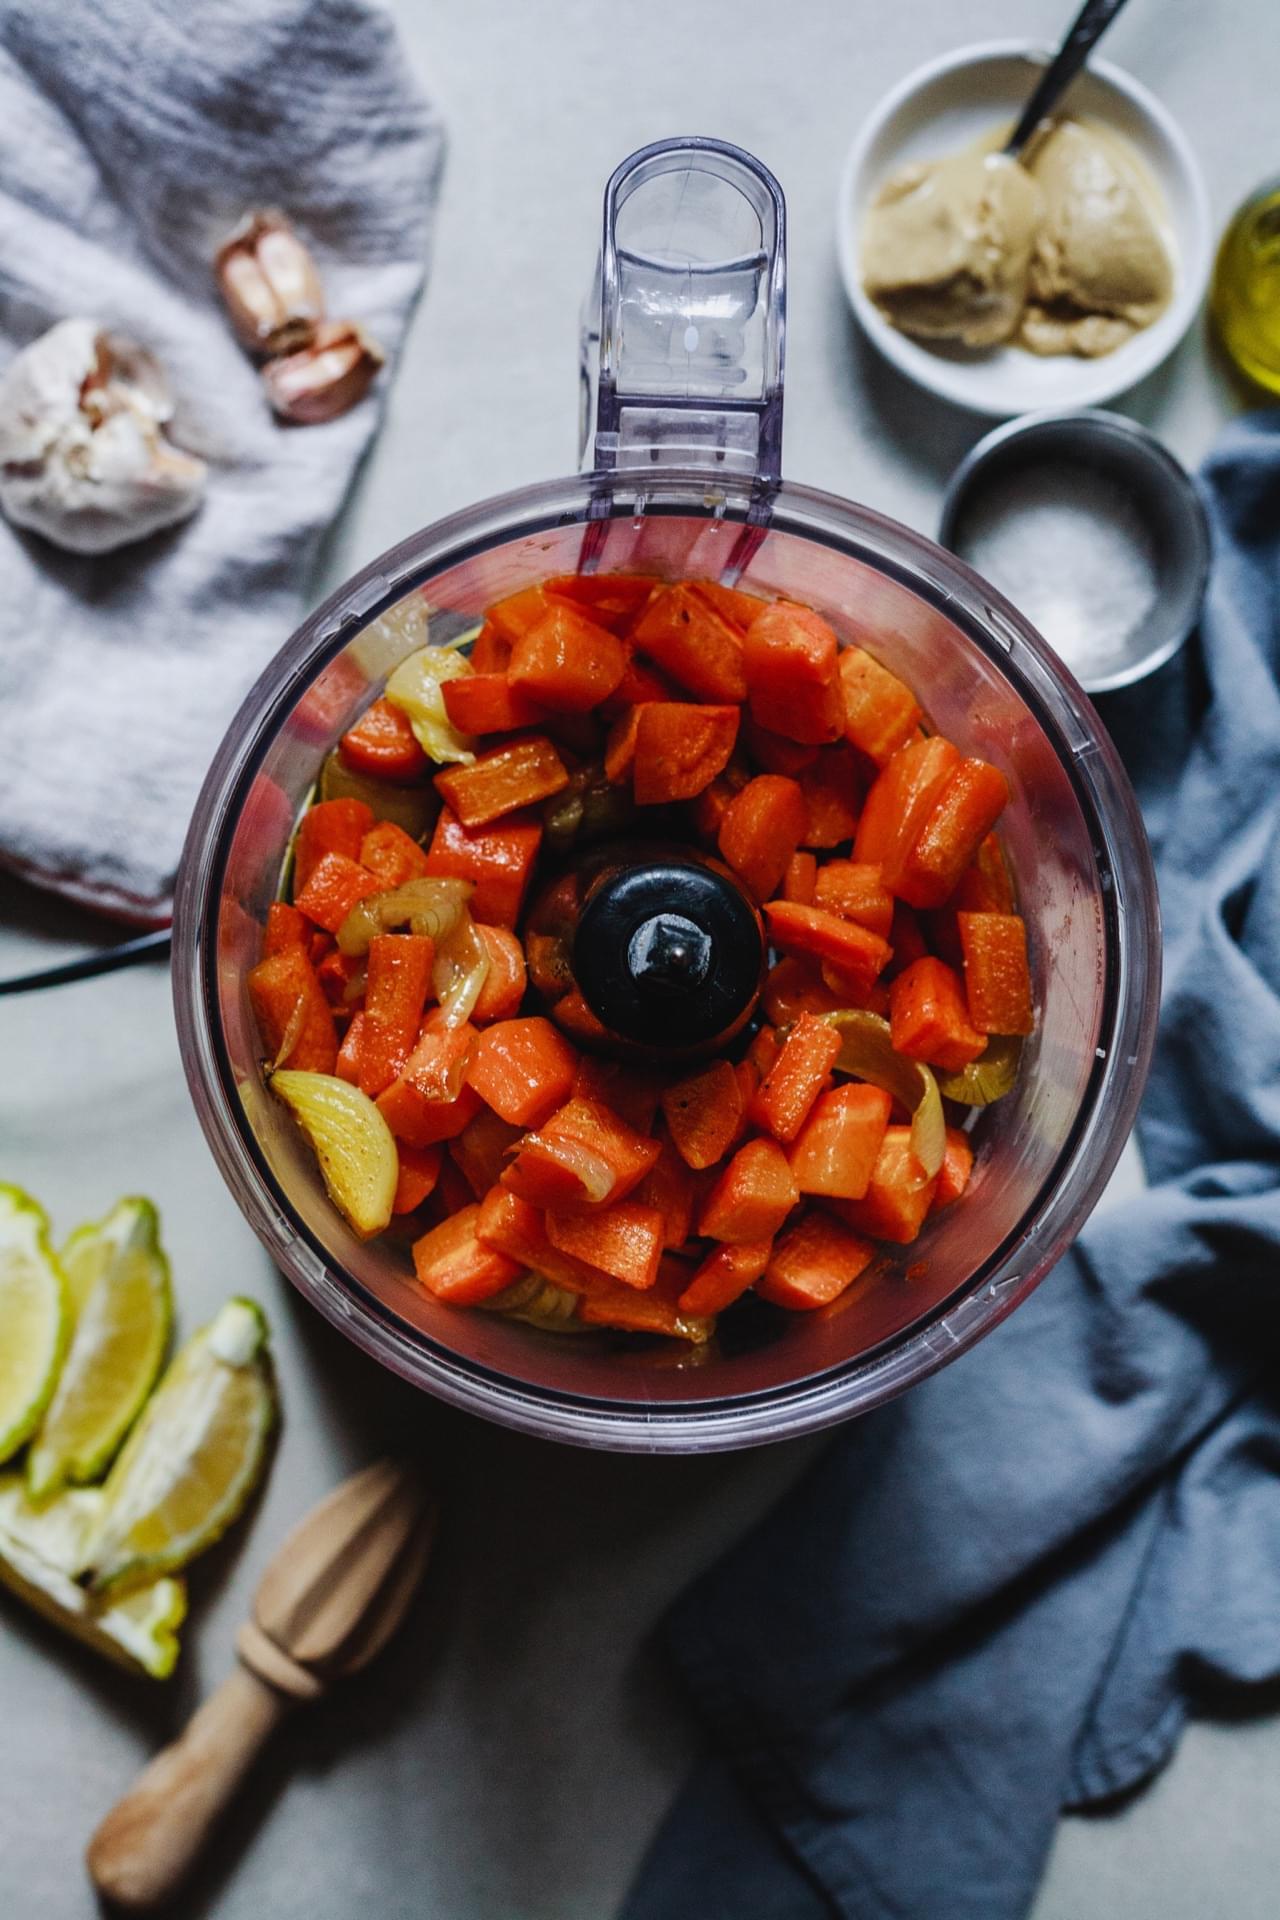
x: 985, y: 887
x: 669, y: 1186
x: 566, y: 661
x: 799, y: 882
x: 517, y: 774
x: 831, y: 790
x: 773, y: 752
x: 488, y: 703
x: 331, y: 826
x: 451, y: 1263
x: 391, y: 855
x: 752, y: 1197
x: 708, y: 810
x: 620, y: 744
x: 929, y: 1019
x: 997, y: 979
x: 505, y: 983
x: 796, y: 1077
x: 339, y: 976
x: 679, y: 749
x: 347, y: 1065
x: 654, y: 1309
x: 420, y: 1121
x: 286, y: 927
x: 835, y: 1151
x: 849, y: 990
x: 513, y: 1227
x: 855, y: 891
x: 791, y: 660
x: 898, y: 1196
x: 906, y: 938
x: 336, y: 885
x: 902, y: 797
x: 957, y: 1165
x: 638, y: 684
x: 614, y: 598
x: 880, y: 712
x: 583, y: 1155
x: 813, y: 1263
x: 419, y: 1172
x: 399, y: 983
x: 523, y: 1069
x: 725, y: 1275
x: 703, y: 1112
x: 966, y: 810
x: 626, y: 1090
x: 519, y: 613
x: 293, y: 1015
x: 859, y: 954
x: 481, y: 1150
x: 382, y: 744
x: 499, y: 859
x: 437, y: 1063
x: 738, y: 608
x: 683, y: 634
x: 761, y: 829
x: 575, y: 1016
x: 490, y: 652
x: 794, y: 986
x: 764, y: 1050
x: 624, y: 1241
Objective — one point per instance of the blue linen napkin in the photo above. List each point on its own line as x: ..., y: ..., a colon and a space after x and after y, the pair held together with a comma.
x: 995, y: 1598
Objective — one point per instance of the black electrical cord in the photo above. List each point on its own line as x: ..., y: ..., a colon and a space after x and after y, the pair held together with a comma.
x: 148, y: 946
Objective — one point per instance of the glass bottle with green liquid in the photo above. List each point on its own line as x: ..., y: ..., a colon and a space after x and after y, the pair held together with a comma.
x: 1245, y: 299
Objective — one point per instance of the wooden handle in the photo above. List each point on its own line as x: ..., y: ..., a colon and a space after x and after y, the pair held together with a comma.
x: 150, y: 1839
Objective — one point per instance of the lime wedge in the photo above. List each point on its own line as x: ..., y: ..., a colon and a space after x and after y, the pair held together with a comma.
x: 39, y: 1547
x: 118, y: 1278
x: 33, y: 1316
x: 193, y: 1458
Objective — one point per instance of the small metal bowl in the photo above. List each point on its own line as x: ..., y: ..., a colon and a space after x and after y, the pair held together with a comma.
x: 1160, y: 491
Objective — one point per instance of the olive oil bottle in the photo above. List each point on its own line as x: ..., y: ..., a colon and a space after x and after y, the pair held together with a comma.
x: 1245, y: 300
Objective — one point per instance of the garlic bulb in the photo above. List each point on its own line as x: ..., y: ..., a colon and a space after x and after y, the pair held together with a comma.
x: 83, y: 456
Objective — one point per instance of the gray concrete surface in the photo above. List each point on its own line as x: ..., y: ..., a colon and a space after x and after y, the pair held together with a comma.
x: 510, y: 1756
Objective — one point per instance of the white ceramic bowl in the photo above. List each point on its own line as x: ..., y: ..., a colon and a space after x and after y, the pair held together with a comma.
x: 952, y: 102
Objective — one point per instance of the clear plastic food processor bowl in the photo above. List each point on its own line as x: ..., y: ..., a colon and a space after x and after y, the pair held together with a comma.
x: 682, y: 376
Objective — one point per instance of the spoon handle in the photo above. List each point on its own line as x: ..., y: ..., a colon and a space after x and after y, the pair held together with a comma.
x: 1088, y: 27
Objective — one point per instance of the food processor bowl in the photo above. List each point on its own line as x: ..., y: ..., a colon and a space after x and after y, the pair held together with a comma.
x: 1072, y: 834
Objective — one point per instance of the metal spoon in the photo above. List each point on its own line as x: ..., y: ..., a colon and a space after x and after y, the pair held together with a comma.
x: 1088, y: 27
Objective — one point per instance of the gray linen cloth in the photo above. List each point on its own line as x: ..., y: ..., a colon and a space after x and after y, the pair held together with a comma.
x: 133, y: 135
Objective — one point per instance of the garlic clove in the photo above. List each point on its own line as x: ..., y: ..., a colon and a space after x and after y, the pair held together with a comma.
x: 325, y: 378
x: 83, y: 458
x: 269, y: 284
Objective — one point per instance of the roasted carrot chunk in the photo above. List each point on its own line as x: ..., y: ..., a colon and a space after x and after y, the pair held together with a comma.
x: 880, y: 712
x: 620, y: 744
x: 985, y: 887
x: 795, y: 986
x: 859, y: 954
x: 773, y: 752
x: 703, y: 1112
x: 519, y: 613
x: 725, y: 1275
x: 523, y: 1069
x: 791, y: 661
x: 654, y: 1309
x: 499, y: 859
x: 624, y: 1241
x: 761, y: 829
x: 286, y: 927
x: 997, y: 979
x: 420, y: 1121
x: 517, y: 774
x: 512, y: 1226
x: 738, y: 608
x: 901, y: 799
x: 382, y: 744
x: 566, y: 661
x: 626, y: 1090
x: 800, y: 880
x: 898, y: 1196
x: 347, y: 1065
x: 575, y: 1016
x: 419, y: 1172
x: 391, y: 855
x: 831, y: 792
x: 488, y: 703
x: 679, y: 749
x: 957, y: 1165
x: 480, y: 1152
x: 429, y: 1099
x: 752, y: 1197
x: 490, y: 653
x: 669, y: 1186
x: 614, y: 599
x: 331, y: 826
x: 451, y: 1263
x: 681, y: 632
x: 836, y: 1149
x: 796, y: 1077
x: 293, y: 1015
x: 929, y: 1019
x: 967, y: 809
x: 855, y: 891
x: 584, y: 1155
x: 813, y: 1263
x: 335, y: 886
x: 505, y: 983
x: 399, y: 983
